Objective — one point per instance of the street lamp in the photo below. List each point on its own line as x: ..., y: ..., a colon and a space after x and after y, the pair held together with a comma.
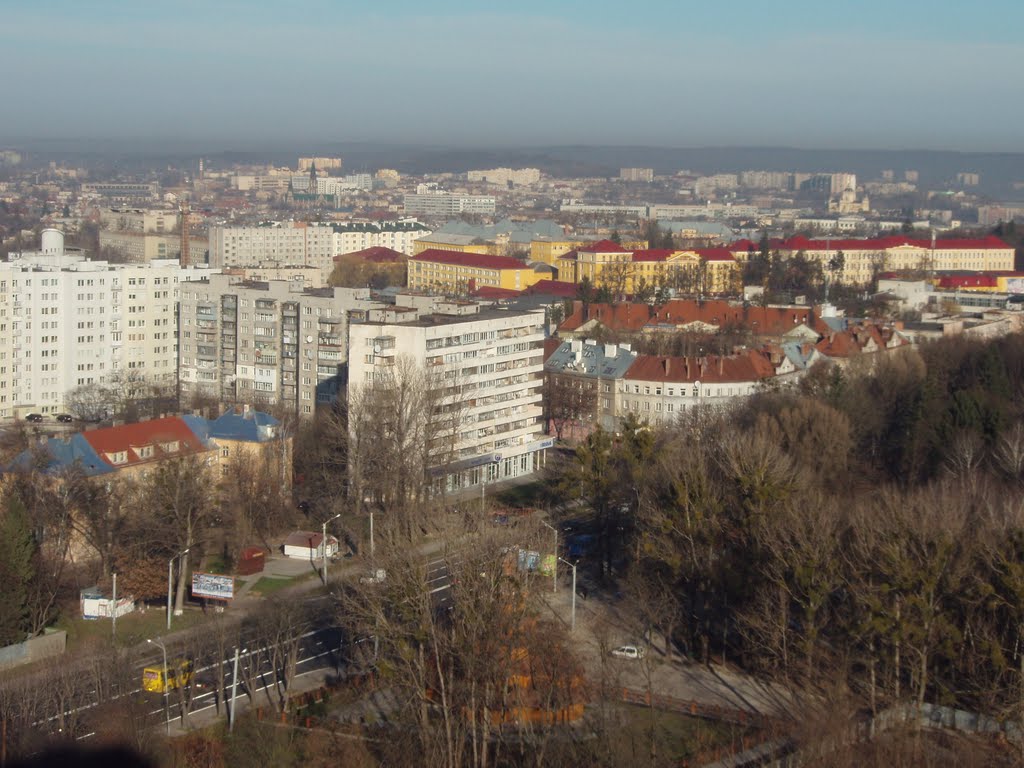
x: 323, y: 543
x: 234, y: 688
x: 554, y: 575
x: 573, y: 566
x: 371, y: 534
x: 167, y: 711
x: 170, y: 567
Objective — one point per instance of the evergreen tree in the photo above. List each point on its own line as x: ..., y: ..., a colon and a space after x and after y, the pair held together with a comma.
x: 17, y: 548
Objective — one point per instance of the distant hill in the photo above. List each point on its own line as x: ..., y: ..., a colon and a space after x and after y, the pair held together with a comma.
x: 937, y: 169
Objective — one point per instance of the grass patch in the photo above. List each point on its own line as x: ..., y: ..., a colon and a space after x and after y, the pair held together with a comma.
x: 267, y: 585
x: 132, y: 629
x: 680, y: 736
x: 535, y: 494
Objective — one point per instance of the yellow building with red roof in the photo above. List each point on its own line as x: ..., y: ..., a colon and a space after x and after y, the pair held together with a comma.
x: 625, y: 270
x: 455, y: 272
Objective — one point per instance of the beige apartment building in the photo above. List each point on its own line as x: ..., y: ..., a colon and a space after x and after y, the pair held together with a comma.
x: 266, y: 343
x: 494, y: 359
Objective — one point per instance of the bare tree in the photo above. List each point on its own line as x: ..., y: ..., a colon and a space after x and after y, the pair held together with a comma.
x: 178, y: 494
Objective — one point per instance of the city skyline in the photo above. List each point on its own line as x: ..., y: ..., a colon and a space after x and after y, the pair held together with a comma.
x: 654, y: 74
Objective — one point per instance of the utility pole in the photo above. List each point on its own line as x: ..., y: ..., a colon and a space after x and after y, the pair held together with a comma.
x: 234, y: 688
x: 572, y: 627
x: 323, y: 544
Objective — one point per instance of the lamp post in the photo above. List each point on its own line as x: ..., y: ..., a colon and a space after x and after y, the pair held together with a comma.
x: 554, y: 575
x: 323, y: 544
x: 167, y: 711
x: 170, y: 571
x: 573, y: 566
x: 234, y: 688
x: 371, y: 534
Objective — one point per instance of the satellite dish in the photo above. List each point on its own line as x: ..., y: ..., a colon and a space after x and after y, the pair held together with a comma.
x: 376, y: 349
x: 309, y: 339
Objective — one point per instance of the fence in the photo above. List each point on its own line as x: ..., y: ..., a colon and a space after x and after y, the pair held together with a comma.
x: 51, y: 643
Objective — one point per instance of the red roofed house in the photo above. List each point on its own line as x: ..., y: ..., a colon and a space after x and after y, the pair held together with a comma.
x: 308, y: 545
x: 377, y: 266
x: 455, y: 272
x: 863, y: 258
x: 132, y: 448
x: 685, y: 315
x: 659, y: 389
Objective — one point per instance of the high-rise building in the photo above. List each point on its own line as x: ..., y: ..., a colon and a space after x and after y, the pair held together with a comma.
x: 297, y: 243
x: 636, y: 174
x: 66, y: 321
x: 491, y: 361
x: 447, y: 204
x: 271, y: 343
x: 520, y: 177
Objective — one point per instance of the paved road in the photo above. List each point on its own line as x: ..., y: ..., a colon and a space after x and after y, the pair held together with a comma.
x: 604, y: 623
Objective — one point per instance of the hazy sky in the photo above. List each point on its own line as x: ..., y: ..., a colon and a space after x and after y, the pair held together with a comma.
x: 870, y: 74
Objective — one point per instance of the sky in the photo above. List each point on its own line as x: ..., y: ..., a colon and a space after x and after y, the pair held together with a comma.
x: 885, y: 74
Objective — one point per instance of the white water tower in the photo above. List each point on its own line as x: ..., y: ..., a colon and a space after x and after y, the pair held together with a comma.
x: 53, y: 242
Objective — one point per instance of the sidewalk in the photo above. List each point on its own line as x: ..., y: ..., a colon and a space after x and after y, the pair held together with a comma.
x: 603, y: 623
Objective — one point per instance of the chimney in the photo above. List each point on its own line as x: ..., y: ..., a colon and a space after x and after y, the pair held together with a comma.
x: 721, y: 365
x: 686, y: 362
x: 668, y: 365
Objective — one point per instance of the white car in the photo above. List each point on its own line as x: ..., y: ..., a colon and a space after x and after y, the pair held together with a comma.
x: 628, y: 652
x: 376, y: 576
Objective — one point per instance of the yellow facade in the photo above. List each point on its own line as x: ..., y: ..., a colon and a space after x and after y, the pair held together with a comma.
x: 492, y: 249
x: 623, y: 273
x: 460, y: 276
x: 548, y: 251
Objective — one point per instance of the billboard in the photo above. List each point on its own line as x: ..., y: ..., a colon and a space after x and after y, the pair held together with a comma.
x: 529, y: 560
x: 213, y: 585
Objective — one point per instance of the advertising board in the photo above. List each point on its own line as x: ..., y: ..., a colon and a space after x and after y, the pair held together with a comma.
x: 213, y: 585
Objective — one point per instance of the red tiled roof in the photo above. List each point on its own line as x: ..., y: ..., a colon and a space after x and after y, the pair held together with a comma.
x: 551, y: 344
x: 310, y: 539
x: 760, y: 320
x: 493, y: 292
x: 458, y: 258
x: 799, y: 242
x: 653, y: 254
x: 618, y: 317
x: 603, y: 246
x: 131, y: 437
x: 750, y: 366
x: 552, y: 288
x: 377, y: 254
x: 968, y: 281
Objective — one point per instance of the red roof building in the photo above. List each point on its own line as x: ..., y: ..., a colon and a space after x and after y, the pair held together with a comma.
x: 132, y: 445
x: 377, y: 254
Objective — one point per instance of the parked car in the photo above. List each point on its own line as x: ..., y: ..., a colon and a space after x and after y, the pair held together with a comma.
x: 374, y: 577
x: 628, y: 652
x: 65, y: 418
x: 34, y: 417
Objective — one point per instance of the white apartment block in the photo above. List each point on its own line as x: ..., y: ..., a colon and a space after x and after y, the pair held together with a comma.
x: 298, y: 243
x: 140, y: 246
x: 494, y: 361
x: 272, y: 343
x: 636, y: 174
x: 518, y: 177
x: 67, y: 321
x: 447, y: 204
x: 139, y: 220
